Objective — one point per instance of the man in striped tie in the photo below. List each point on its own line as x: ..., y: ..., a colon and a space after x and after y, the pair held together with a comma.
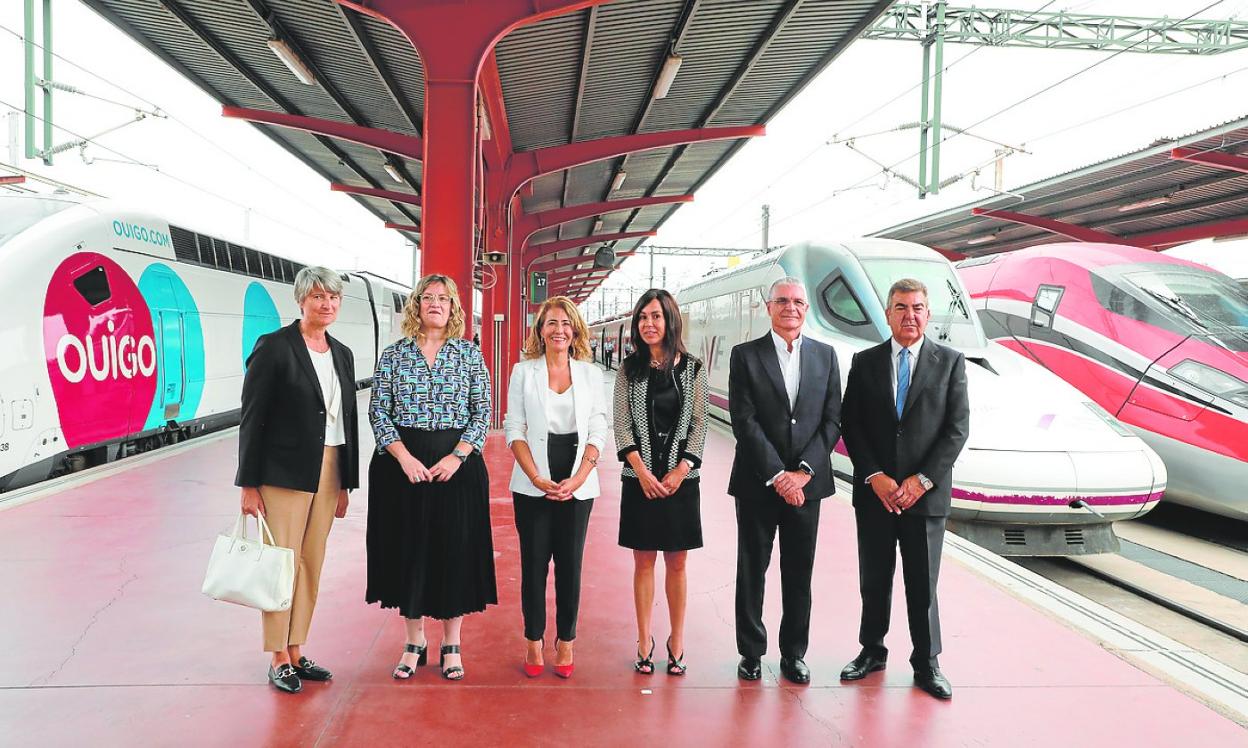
x: 905, y: 419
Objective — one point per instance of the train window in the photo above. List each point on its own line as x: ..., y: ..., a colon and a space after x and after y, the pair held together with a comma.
x: 1045, y: 304
x: 93, y: 286
x: 842, y: 304
x: 185, y: 247
x: 398, y: 303
x: 222, y: 253
x: 288, y: 271
x: 253, y: 262
x: 238, y: 259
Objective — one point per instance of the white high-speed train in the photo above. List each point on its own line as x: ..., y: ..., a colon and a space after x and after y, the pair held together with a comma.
x: 1045, y: 471
x: 122, y: 333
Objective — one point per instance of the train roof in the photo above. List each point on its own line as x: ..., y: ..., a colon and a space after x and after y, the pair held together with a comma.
x: 1089, y: 255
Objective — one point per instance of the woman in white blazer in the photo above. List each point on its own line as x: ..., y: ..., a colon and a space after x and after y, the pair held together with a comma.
x: 556, y: 425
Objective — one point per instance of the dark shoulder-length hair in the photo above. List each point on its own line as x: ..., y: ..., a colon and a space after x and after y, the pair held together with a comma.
x: 637, y: 364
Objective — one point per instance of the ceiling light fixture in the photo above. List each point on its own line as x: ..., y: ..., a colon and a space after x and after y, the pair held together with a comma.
x: 287, y: 55
x: 618, y: 182
x: 597, y: 226
x: 667, y: 74
x: 1147, y: 203
x: 393, y: 171
x: 983, y: 239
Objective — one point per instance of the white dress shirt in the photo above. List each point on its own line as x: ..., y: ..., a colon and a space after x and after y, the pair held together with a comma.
x: 914, y: 349
x: 790, y: 365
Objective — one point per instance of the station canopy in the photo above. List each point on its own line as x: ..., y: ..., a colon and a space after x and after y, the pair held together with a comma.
x: 1174, y: 191
x: 581, y: 76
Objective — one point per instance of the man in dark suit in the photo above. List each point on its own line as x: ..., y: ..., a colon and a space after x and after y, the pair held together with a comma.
x: 906, y: 420
x: 784, y: 398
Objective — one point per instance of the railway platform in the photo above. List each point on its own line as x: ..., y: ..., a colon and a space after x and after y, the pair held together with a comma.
x: 105, y: 637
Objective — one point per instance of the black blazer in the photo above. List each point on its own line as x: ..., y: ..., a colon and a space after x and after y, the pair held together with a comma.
x: 771, y: 436
x: 282, y: 435
x: 933, y: 429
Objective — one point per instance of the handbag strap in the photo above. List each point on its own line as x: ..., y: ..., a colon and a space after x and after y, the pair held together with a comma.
x: 240, y: 531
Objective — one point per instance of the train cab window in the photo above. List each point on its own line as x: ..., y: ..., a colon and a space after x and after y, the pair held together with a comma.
x: 841, y: 303
x: 93, y: 286
x: 1044, y: 306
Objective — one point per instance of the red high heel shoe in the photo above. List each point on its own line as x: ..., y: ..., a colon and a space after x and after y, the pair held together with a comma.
x: 533, y: 671
x: 563, y: 671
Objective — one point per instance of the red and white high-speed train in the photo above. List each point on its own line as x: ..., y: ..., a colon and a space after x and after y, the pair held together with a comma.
x: 122, y: 333
x: 1227, y: 256
x: 1039, y: 451
x: 1160, y: 342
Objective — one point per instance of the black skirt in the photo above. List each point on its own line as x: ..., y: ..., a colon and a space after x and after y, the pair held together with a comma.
x: 430, y: 551
x: 669, y: 524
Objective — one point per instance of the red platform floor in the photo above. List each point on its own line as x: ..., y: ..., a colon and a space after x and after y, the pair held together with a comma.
x: 105, y: 639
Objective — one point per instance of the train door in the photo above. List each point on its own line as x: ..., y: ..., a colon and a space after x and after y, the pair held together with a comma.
x: 171, y: 351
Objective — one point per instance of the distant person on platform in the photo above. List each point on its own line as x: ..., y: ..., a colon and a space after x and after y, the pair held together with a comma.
x: 430, y: 548
x: 784, y: 399
x: 298, y: 454
x: 556, y: 426
x: 608, y: 352
x: 906, y: 420
x: 660, y: 429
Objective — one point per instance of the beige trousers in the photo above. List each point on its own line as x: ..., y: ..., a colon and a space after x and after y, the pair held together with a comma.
x: 300, y: 521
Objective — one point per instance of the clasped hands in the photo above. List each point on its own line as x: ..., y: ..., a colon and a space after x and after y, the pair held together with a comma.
x: 561, y: 491
x: 441, y: 471
x: 789, y: 485
x: 897, y: 497
x: 654, y: 488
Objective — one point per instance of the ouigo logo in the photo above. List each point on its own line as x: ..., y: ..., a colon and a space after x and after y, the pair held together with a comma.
x: 100, y: 348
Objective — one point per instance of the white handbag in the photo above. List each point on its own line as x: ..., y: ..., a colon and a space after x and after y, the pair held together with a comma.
x: 249, y: 571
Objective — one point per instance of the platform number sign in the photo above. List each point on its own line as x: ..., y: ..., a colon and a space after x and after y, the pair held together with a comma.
x: 537, y: 287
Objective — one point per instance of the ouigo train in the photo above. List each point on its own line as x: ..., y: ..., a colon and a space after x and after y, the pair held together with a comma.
x: 1160, y: 342
x: 122, y: 333
x: 1046, y: 469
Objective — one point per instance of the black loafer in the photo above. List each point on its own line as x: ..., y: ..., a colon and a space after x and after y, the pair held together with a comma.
x: 750, y: 668
x: 795, y: 670
x: 284, y: 679
x: 934, y: 682
x: 862, y: 665
x: 309, y: 670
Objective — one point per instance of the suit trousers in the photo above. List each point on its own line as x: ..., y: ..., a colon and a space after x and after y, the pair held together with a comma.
x: 300, y: 521
x: 552, y: 531
x: 921, y: 540
x: 759, y: 517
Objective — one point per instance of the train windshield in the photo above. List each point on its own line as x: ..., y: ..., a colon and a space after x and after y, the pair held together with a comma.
x: 1193, y: 301
x: 19, y: 214
x: 953, y: 322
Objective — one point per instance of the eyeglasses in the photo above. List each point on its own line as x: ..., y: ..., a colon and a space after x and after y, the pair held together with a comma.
x: 785, y: 301
x: 428, y: 298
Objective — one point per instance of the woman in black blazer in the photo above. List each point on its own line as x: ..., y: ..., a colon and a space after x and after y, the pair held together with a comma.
x: 298, y: 454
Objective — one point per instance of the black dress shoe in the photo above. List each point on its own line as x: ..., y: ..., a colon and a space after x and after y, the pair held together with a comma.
x: 284, y: 679
x: 861, y: 665
x: 750, y: 668
x: 309, y: 670
x: 934, y: 682
x: 795, y: 670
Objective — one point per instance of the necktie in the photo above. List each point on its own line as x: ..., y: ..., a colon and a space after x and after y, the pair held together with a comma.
x: 903, y: 379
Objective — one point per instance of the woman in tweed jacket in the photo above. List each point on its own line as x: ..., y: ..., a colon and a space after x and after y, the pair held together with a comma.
x: 660, y: 429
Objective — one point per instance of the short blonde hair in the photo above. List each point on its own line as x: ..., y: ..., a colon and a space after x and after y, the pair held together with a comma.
x: 534, y: 346
x: 412, y: 325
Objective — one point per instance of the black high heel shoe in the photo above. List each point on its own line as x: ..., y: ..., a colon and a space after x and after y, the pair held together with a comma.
x: 403, y: 672
x: 645, y: 665
x: 454, y: 672
x: 675, y: 666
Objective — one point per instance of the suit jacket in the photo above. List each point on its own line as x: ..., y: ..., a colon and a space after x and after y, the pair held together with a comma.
x: 771, y: 436
x: 282, y: 434
x: 526, y: 419
x: 933, y: 428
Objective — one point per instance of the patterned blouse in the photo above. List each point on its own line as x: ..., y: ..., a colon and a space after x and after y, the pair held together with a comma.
x: 454, y: 394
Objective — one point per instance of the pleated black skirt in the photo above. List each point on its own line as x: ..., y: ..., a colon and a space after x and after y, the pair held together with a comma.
x: 669, y: 524
x: 430, y: 551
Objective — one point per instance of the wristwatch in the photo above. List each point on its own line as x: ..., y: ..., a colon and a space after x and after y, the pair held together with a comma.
x: 462, y: 456
x: 807, y: 469
x: 924, y: 481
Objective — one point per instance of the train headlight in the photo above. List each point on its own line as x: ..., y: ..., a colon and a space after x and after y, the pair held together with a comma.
x: 1211, y: 380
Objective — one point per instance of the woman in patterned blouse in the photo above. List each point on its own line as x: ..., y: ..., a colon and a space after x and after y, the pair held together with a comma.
x: 430, y: 552
x: 660, y: 428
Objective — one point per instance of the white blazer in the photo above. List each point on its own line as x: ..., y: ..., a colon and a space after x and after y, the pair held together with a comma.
x: 526, y: 419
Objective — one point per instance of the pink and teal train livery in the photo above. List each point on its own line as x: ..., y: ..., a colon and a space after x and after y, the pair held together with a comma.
x: 123, y: 333
x: 1160, y: 342
x: 1045, y: 471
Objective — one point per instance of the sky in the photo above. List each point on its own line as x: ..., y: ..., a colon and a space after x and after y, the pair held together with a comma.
x: 225, y: 178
